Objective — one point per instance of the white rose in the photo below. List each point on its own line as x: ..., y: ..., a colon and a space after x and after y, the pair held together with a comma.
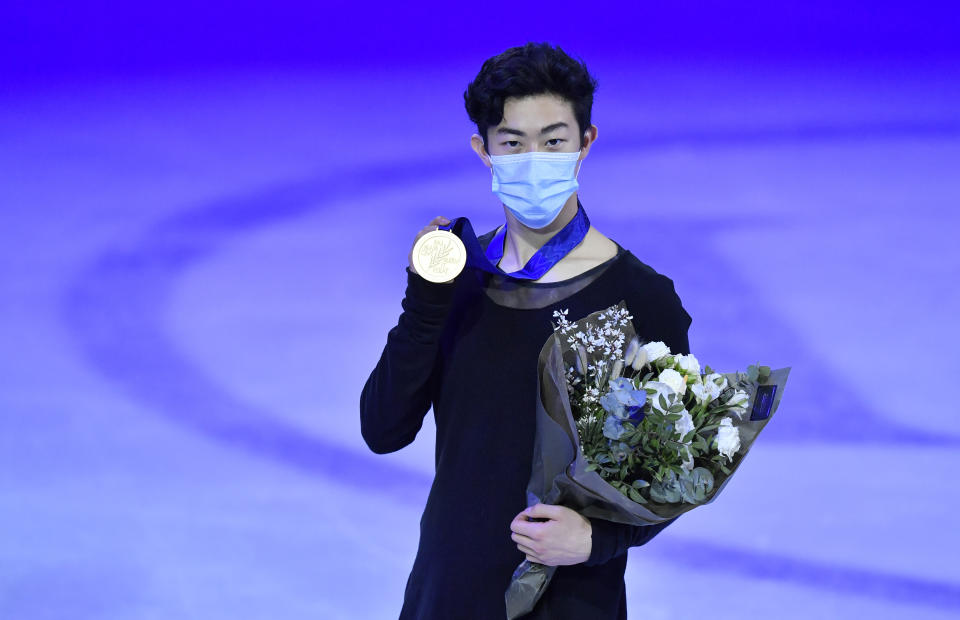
x: 685, y: 424
x: 659, y: 389
x: 689, y: 365
x: 728, y: 438
x: 674, y: 379
x: 655, y: 350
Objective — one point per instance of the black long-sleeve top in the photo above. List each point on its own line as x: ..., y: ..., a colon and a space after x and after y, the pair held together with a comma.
x: 474, y: 361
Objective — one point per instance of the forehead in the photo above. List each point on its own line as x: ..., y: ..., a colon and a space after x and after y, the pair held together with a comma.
x: 536, y: 111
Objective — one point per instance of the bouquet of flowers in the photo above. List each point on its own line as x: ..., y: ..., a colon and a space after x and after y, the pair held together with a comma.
x: 631, y: 432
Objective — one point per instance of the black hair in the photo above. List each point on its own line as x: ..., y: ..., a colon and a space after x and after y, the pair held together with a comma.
x: 531, y: 69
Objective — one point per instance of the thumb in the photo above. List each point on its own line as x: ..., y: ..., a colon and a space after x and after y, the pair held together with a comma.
x: 540, y: 511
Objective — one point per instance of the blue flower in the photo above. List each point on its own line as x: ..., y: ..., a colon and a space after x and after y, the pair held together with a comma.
x: 620, y: 451
x: 612, y: 405
x: 624, y: 401
x: 613, y: 427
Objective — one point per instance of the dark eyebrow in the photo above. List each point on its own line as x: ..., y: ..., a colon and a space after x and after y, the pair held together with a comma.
x: 550, y: 128
x: 545, y: 130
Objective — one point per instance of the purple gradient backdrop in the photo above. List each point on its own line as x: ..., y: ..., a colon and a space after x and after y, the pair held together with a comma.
x: 81, y: 38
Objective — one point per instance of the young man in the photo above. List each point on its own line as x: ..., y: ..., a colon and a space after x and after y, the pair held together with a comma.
x: 469, y: 349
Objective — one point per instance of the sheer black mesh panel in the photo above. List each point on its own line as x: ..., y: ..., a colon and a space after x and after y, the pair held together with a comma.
x: 526, y: 295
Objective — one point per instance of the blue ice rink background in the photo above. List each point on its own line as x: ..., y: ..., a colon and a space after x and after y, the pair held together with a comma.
x: 205, y: 214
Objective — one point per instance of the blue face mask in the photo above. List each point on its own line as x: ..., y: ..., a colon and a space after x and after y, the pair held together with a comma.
x: 535, y: 185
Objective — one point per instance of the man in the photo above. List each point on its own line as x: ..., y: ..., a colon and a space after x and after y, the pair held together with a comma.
x: 469, y: 347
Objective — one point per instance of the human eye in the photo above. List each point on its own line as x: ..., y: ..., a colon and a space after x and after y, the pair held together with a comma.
x: 511, y: 143
x: 553, y: 142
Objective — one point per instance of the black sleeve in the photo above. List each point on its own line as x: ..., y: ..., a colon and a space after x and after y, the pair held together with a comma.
x: 663, y: 319
x: 614, y: 539
x: 399, y: 391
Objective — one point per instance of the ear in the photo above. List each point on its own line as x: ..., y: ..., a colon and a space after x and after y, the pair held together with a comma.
x: 476, y: 143
x: 589, y: 136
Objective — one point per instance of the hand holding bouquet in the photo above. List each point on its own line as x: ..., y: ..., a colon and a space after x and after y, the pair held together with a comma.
x: 631, y: 432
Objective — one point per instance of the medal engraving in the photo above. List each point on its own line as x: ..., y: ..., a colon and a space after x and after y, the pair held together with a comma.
x: 439, y: 256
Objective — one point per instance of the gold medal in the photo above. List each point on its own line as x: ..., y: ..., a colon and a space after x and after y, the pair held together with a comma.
x: 439, y: 256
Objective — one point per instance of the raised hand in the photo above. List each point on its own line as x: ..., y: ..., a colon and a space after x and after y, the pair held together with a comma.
x: 433, y: 225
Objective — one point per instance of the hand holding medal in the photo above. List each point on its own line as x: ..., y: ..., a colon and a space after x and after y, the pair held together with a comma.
x: 438, y: 255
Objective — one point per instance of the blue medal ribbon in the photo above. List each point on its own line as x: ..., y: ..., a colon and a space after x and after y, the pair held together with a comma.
x: 540, y: 263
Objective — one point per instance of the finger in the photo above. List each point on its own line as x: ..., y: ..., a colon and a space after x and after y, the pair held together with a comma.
x: 544, y: 511
x: 424, y: 231
x: 434, y: 224
x: 528, y: 529
x: 523, y: 540
x: 528, y: 551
